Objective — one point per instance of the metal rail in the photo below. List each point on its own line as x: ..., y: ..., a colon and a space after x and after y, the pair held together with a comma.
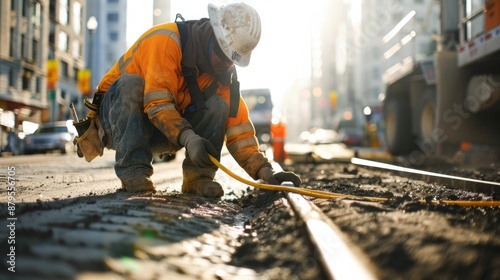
x: 340, y: 258
x: 454, y: 181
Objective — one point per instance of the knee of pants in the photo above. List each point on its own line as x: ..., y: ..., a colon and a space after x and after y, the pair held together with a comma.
x: 122, y: 101
x: 212, y: 125
x: 131, y: 88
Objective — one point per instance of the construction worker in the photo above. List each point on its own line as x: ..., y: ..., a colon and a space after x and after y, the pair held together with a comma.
x: 176, y: 87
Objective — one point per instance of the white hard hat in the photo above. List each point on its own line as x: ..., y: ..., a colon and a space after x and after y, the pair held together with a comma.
x: 237, y: 29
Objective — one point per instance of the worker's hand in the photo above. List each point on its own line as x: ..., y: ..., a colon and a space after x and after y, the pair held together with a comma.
x: 197, y: 148
x: 276, y: 178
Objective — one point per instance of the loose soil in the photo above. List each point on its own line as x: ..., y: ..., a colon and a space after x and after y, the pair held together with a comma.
x: 407, y: 239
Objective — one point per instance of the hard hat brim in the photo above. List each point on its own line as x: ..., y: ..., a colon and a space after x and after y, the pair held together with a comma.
x: 215, y: 19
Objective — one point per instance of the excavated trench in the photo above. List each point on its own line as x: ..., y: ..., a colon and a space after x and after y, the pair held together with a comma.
x: 403, y: 237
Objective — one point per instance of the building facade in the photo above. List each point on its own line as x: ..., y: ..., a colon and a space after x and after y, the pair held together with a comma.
x: 108, y: 42
x: 32, y: 34
x: 66, y: 47
x: 24, y: 33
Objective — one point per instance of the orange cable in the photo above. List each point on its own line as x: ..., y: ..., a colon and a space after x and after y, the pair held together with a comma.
x: 330, y: 195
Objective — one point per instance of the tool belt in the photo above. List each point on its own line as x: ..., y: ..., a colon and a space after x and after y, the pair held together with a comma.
x: 90, y: 137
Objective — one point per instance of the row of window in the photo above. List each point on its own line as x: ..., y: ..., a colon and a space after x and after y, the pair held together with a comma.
x: 26, y: 46
x: 28, y: 77
x: 30, y: 48
x: 63, y: 45
x: 28, y: 10
x: 66, y: 14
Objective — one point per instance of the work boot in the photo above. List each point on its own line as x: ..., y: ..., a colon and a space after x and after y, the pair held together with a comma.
x: 138, y: 185
x: 204, y: 186
x: 199, y: 181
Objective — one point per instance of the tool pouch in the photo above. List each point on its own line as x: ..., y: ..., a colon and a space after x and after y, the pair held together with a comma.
x: 90, y: 144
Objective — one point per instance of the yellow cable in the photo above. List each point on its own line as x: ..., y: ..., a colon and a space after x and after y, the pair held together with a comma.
x: 330, y: 195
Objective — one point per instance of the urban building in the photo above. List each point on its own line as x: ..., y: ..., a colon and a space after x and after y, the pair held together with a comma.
x: 107, y: 39
x: 24, y: 41
x: 43, y: 40
x: 66, y: 47
x: 36, y: 34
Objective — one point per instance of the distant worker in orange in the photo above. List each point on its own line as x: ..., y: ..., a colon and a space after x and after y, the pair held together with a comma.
x: 177, y: 87
x: 278, y: 133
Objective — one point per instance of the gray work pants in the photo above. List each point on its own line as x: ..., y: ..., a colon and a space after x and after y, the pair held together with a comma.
x: 135, y: 139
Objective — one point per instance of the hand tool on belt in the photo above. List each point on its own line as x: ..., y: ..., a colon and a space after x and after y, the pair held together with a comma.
x: 90, y: 134
x: 82, y: 125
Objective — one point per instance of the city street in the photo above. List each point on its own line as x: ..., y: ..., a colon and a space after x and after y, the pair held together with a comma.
x: 53, y: 177
x: 68, y: 219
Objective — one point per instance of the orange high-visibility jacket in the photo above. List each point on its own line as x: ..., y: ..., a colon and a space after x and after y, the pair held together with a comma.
x: 156, y: 57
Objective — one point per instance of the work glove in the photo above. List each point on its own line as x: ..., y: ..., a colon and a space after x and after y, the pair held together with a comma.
x: 197, y: 148
x: 276, y: 178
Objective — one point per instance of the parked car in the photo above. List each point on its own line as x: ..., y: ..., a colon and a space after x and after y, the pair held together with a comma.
x: 352, y: 137
x: 55, y: 136
x: 164, y: 158
x: 260, y: 110
x: 319, y: 145
x: 318, y: 136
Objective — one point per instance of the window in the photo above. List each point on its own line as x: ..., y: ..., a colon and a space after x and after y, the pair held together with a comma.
x: 36, y: 14
x: 34, y: 49
x: 24, y: 7
x: 64, y: 69
x: 52, y: 52
x: 113, y: 17
x: 27, y: 74
x: 75, y: 49
x: 52, y: 8
x: 38, y: 88
x: 75, y: 73
x: 12, y: 78
x: 62, y: 43
x: 52, y: 36
x: 113, y: 36
x: 12, y: 43
x: 77, y: 17
x: 110, y: 57
x: 23, y: 46
x: 63, y: 12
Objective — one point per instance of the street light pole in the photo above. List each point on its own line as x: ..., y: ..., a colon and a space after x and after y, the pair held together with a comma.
x: 91, y: 26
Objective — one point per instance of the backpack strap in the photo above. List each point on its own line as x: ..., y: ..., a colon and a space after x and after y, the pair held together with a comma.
x: 234, y: 95
x: 189, y: 73
x: 182, y: 26
x: 197, y: 100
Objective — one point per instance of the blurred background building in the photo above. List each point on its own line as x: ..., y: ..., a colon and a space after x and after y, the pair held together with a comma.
x: 107, y: 43
x: 24, y: 51
x: 347, y: 63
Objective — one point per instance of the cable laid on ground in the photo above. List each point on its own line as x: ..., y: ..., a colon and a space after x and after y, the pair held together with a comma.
x: 330, y: 195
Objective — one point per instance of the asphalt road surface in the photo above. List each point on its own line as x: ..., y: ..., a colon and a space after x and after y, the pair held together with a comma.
x: 64, y: 218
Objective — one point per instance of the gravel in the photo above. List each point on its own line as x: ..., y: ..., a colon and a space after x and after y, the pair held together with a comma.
x: 407, y: 239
